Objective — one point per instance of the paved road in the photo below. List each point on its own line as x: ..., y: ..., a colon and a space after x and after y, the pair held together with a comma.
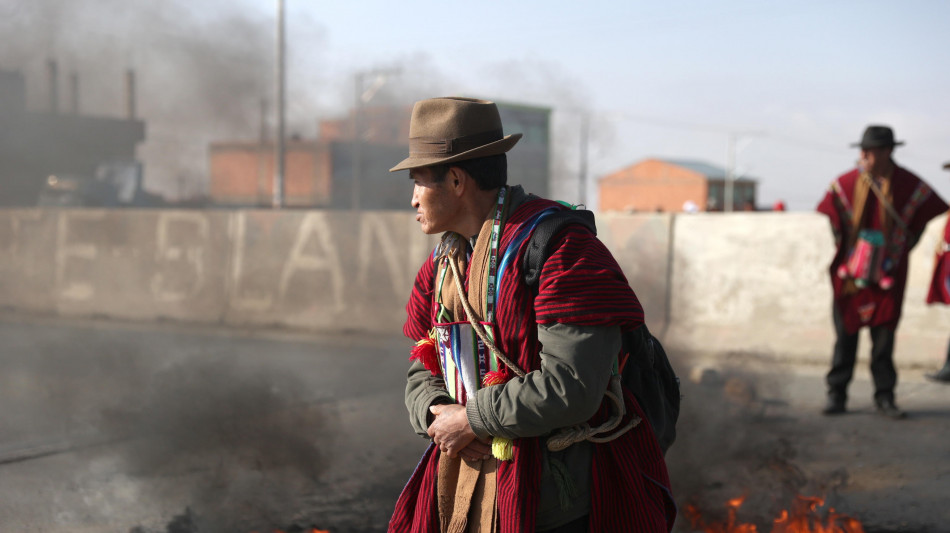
x: 107, y: 427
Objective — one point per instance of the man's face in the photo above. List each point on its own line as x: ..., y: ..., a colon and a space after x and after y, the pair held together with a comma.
x: 874, y: 158
x: 436, y: 206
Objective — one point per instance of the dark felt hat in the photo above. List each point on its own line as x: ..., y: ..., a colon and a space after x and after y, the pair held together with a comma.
x: 878, y: 137
x: 446, y: 130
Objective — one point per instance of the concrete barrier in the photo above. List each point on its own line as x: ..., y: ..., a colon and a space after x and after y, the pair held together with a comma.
x: 323, y: 270
x: 316, y: 270
x: 641, y: 245
x: 759, y: 282
x: 743, y: 282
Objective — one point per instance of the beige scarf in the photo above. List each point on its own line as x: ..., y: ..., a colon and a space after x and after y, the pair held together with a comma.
x: 886, y: 198
x: 466, y: 489
x: 455, y: 247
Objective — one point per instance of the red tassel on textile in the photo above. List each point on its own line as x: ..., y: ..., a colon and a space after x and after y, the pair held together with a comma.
x: 424, y: 351
x: 495, y: 377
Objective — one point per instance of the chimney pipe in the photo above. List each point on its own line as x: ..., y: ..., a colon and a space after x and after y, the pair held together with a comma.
x: 53, y: 86
x: 74, y: 92
x: 130, y: 94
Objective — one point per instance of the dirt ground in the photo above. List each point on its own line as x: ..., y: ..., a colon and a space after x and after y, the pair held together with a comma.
x: 752, y: 428
x: 113, y: 427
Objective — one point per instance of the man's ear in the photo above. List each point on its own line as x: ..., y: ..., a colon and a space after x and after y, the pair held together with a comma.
x: 458, y: 180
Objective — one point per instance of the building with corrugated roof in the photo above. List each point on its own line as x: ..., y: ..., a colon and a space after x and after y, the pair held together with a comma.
x: 673, y: 185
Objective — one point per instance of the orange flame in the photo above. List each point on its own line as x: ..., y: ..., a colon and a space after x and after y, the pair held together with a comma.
x: 803, y: 518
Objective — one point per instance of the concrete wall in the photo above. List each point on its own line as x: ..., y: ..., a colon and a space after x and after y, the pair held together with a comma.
x: 715, y: 283
x: 758, y: 282
x: 314, y: 270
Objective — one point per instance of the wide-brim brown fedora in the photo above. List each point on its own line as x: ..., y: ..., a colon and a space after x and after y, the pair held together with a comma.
x: 877, y: 137
x: 451, y: 129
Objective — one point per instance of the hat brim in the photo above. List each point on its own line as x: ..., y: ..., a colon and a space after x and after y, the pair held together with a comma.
x: 493, y: 148
x: 861, y: 145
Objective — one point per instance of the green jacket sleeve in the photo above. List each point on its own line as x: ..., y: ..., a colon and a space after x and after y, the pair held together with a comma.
x: 576, y: 364
x: 422, y: 390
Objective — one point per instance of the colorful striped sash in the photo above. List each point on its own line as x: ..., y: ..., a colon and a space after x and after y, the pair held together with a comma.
x: 464, y: 358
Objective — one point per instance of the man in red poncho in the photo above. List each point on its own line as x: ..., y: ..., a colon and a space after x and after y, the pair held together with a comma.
x: 499, y: 369
x: 877, y: 213
x: 940, y: 288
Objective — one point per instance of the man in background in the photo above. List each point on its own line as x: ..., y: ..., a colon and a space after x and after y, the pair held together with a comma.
x: 877, y: 212
x: 940, y: 288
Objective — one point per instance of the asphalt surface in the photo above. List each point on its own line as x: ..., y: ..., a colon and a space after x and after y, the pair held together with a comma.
x: 118, y: 427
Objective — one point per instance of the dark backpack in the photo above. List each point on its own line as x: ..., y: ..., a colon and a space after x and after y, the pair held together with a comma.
x: 644, y: 367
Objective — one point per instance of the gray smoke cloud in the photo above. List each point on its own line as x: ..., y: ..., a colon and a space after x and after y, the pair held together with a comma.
x: 136, y: 425
x: 548, y: 84
x: 202, y: 71
x: 250, y: 442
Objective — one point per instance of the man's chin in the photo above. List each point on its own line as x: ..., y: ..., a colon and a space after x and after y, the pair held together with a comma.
x: 429, y: 229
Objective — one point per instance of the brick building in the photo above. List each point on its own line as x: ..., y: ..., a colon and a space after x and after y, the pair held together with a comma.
x: 322, y: 172
x: 242, y: 173
x: 670, y: 185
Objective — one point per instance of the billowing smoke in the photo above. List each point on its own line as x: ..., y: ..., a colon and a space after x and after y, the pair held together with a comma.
x: 132, y: 427
x: 201, y: 72
x: 245, y: 444
x: 546, y: 84
x: 205, y: 73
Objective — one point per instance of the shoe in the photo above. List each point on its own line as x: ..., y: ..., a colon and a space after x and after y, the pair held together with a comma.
x: 888, y: 409
x: 942, y: 375
x: 835, y: 406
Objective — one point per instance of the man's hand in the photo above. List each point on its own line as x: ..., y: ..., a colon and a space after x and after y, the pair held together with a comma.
x: 452, y: 433
x: 477, y: 450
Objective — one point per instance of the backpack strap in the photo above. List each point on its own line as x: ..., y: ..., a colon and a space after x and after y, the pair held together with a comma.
x: 539, y: 244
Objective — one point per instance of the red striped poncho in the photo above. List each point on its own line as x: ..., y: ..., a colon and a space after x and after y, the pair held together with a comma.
x: 581, y: 284
x: 940, y: 282
x: 912, y: 199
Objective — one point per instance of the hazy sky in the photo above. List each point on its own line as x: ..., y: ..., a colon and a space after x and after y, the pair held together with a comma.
x: 795, y: 82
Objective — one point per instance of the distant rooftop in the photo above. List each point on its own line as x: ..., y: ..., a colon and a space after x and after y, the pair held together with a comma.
x: 710, y: 171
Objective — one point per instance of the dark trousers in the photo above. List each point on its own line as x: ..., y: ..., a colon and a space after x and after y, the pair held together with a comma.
x: 946, y: 363
x: 845, y: 354
x: 576, y: 526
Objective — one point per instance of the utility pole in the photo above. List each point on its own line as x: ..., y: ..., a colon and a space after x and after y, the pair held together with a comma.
x: 582, y: 177
x: 263, y: 153
x: 730, y: 170
x: 278, y: 200
x: 357, y: 157
x: 730, y: 177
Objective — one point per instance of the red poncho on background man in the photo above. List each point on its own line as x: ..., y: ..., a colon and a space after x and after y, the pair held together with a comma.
x: 877, y: 214
x: 940, y: 288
